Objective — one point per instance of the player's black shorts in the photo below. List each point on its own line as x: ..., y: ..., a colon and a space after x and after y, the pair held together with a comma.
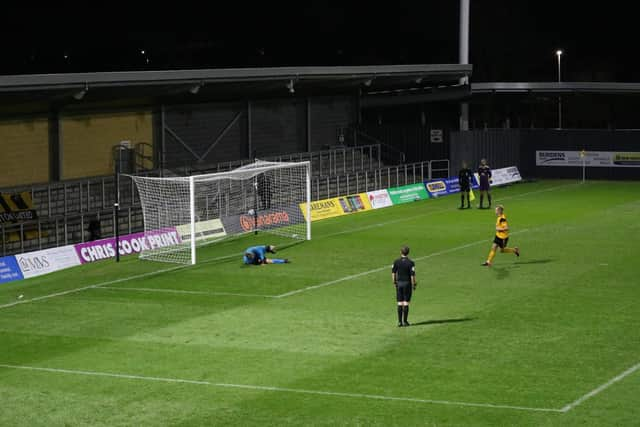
x: 502, y: 243
x: 465, y: 187
x: 403, y: 291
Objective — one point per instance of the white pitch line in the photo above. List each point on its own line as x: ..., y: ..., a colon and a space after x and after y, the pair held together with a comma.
x: 409, y: 218
x: 185, y: 292
x: 601, y: 388
x: 382, y: 224
x: 375, y: 270
x: 332, y: 282
x: 70, y: 291
x: 111, y: 282
x: 545, y: 190
x: 84, y: 288
x: 381, y: 397
x: 103, y: 374
x: 280, y: 389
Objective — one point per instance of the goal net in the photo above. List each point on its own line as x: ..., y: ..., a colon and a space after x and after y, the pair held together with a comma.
x: 201, y: 209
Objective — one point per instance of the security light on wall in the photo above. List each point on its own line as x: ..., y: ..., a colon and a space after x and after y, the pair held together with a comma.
x: 290, y: 86
x: 195, y: 88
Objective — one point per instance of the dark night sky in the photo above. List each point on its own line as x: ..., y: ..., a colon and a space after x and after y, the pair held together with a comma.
x: 510, y: 40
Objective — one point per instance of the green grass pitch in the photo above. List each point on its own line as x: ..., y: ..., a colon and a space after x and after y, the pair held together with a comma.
x: 548, y: 339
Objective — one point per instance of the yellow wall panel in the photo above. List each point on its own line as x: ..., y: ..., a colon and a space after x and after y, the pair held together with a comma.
x: 24, y: 152
x: 87, y: 141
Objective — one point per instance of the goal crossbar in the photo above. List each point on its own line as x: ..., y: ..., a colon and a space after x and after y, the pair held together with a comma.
x: 206, y: 208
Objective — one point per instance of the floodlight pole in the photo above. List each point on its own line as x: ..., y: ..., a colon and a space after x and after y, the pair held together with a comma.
x: 464, y: 58
x: 559, y: 55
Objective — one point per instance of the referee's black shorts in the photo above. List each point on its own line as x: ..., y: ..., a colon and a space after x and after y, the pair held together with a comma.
x: 403, y: 291
x: 502, y: 243
x: 465, y: 188
x: 484, y: 183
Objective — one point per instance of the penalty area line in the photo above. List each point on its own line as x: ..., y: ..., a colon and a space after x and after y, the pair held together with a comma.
x: 184, y: 292
x: 376, y: 270
x: 600, y: 388
x: 113, y: 282
x: 435, y: 211
x: 138, y: 276
x: 278, y: 389
x: 84, y: 288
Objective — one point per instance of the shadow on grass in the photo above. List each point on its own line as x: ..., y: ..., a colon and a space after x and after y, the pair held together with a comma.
x: 536, y: 261
x: 502, y: 272
x: 237, y: 258
x: 441, y: 321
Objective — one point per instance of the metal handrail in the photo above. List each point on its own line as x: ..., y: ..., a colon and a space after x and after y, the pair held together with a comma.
x: 390, y: 176
x: 360, y: 133
x: 440, y: 168
x: 64, y: 229
x: 107, y: 180
x: 327, y: 186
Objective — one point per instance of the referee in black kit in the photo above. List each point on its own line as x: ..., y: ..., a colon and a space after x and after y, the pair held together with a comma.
x: 403, y: 274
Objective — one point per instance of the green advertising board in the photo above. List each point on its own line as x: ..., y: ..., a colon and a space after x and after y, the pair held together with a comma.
x: 408, y: 193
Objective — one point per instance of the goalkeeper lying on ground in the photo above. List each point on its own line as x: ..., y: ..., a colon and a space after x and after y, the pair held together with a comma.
x: 257, y: 255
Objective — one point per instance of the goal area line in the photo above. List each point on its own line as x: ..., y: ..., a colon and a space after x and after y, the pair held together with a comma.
x: 277, y: 389
x: 338, y: 394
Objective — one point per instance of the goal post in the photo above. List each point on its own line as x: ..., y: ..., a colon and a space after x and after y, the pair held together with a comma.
x: 192, y: 217
x: 265, y: 197
x: 308, y: 202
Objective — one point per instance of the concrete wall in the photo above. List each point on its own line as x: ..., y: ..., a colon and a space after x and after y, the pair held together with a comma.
x: 198, y: 126
x: 327, y: 115
x: 279, y: 127
x: 518, y: 147
x: 87, y: 140
x: 220, y: 132
x: 24, y: 146
x: 195, y: 134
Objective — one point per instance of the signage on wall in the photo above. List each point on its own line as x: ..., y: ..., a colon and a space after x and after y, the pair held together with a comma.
x: 607, y: 159
x: 436, y: 136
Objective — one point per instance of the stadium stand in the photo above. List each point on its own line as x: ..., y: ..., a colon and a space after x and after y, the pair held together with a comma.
x: 65, y: 210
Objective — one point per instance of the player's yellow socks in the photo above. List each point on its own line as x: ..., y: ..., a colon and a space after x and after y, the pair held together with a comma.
x: 509, y: 251
x: 492, y: 254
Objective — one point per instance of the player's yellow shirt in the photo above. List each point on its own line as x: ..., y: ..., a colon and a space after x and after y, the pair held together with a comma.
x: 502, y: 222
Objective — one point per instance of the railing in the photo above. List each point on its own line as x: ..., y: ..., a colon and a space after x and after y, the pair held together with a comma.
x: 89, y: 195
x: 143, y: 157
x: 439, y: 168
x: 333, y: 160
x: 58, y: 230
x: 63, y: 230
x: 327, y: 187
x: 389, y: 153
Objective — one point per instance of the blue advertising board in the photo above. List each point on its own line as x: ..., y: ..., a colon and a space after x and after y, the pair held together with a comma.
x: 444, y: 186
x: 9, y: 269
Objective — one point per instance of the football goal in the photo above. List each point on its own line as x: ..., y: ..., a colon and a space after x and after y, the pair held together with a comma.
x: 266, y: 197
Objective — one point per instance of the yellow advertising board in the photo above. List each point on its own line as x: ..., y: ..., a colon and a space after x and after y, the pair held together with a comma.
x: 329, y: 208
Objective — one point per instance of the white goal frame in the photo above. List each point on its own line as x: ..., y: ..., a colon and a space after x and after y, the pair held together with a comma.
x: 164, y: 201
